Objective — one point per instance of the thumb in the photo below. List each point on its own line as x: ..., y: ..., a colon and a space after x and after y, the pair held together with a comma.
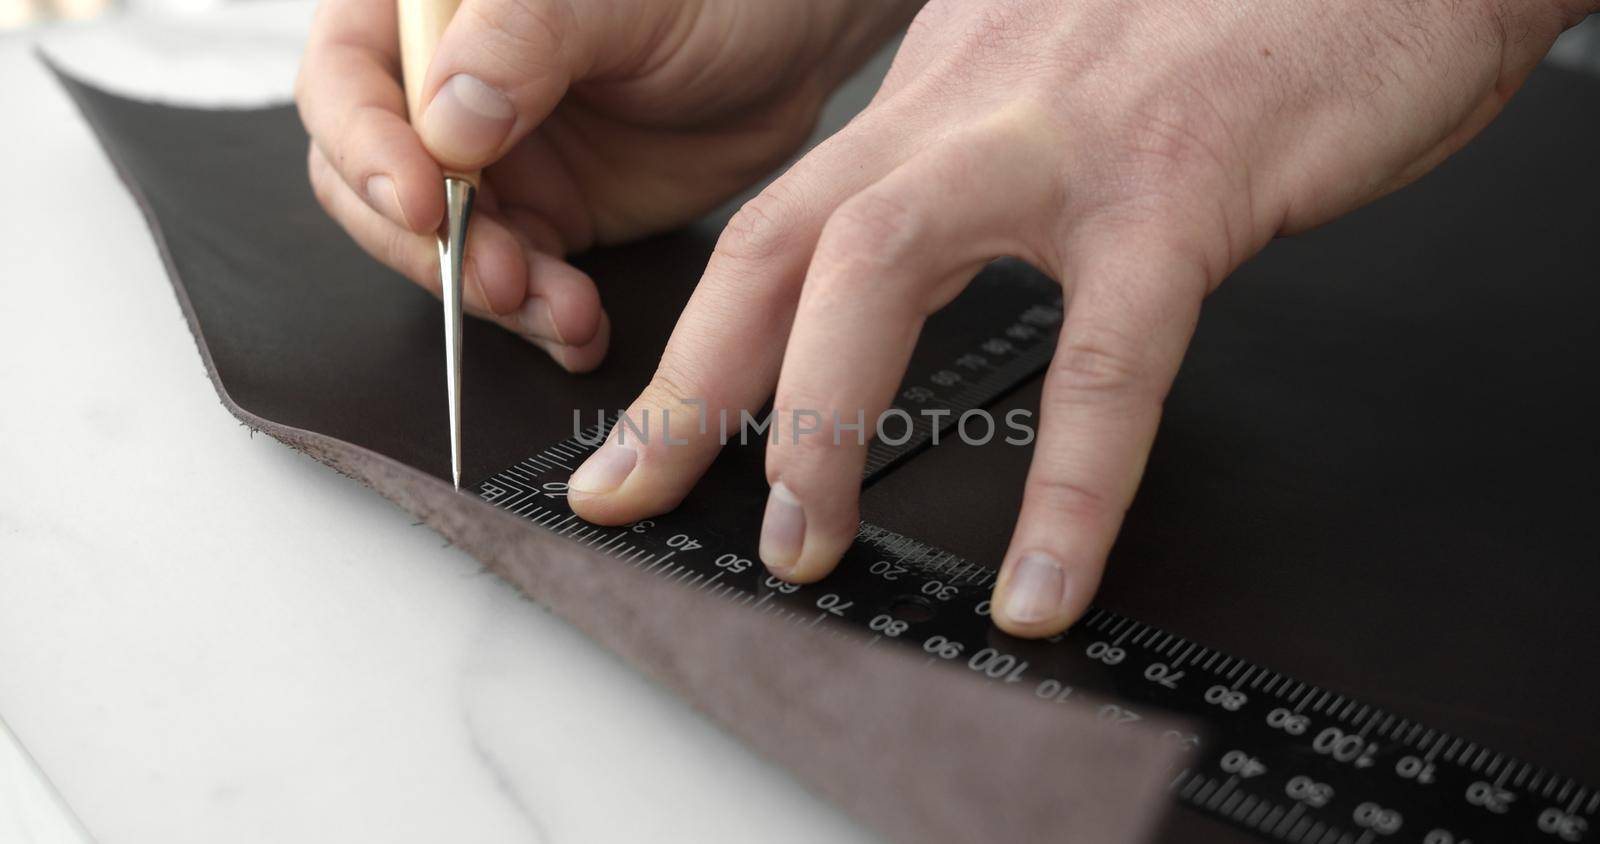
x: 498, y: 71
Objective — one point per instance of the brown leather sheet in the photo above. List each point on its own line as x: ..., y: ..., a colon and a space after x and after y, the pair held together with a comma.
x: 1377, y: 471
x: 308, y: 340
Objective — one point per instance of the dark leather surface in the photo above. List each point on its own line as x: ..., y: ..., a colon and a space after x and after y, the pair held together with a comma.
x: 1380, y: 467
x: 1377, y: 472
x: 312, y: 343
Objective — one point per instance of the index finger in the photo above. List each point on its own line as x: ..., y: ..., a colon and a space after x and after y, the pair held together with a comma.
x: 352, y: 103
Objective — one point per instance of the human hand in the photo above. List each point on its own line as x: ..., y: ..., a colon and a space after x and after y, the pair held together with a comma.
x: 1137, y: 151
x: 597, y: 121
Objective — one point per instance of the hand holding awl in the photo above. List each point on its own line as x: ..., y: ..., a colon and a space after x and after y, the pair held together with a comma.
x: 421, y: 24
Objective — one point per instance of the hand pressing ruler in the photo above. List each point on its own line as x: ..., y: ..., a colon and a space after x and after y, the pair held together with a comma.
x: 1278, y: 757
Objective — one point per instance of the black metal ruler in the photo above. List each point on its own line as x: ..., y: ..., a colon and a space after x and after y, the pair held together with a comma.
x: 1281, y: 758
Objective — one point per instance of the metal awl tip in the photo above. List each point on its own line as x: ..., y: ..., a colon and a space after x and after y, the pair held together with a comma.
x: 459, y: 194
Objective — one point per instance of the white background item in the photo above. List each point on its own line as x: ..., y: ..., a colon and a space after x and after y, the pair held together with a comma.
x: 206, y: 637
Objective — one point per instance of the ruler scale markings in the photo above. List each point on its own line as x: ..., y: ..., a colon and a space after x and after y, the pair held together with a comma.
x: 520, y: 474
x: 1285, y: 826
x: 1248, y: 802
x: 1295, y: 696
x: 1226, y: 800
x: 1220, y: 794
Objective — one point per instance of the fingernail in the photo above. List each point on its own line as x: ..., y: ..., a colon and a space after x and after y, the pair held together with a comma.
x: 559, y: 354
x: 1036, y: 591
x: 466, y: 121
x: 382, y: 195
x: 604, y: 471
x: 783, y: 530
x: 537, y: 320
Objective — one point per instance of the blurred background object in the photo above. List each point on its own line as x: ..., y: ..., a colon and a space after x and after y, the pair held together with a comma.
x: 16, y: 14
x: 20, y: 14
x: 1579, y: 47
x: 31, y: 811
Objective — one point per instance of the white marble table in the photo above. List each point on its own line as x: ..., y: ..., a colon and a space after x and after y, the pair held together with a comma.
x: 205, y: 637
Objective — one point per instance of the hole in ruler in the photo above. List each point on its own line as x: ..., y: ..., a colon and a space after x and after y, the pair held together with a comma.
x: 912, y: 609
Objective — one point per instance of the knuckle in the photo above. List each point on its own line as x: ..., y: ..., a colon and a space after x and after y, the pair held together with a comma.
x: 1174, y: 175
x: 317, y: 173
x: 870, y: 228
x: 1167, y: 143
x: 760, y: 229
x: 397, y: 248
x: 996, y: 27
x: 526, y: 34
x: 353, y: 145
x: 1166, y: 133
x: 302, y: 89
x: 1061, y: 495
x: 802, y: 453
x: 1099, y: 362
x: 669, y: 387
x: 311, y: 78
